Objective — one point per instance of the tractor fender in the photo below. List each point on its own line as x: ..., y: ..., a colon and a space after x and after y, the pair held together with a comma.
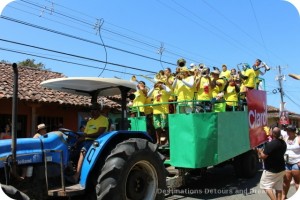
x: 101, y: 149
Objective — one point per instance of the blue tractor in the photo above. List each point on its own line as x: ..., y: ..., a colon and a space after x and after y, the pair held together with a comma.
x: 120, y: 164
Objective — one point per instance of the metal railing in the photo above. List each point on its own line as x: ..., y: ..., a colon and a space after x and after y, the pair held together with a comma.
x: 61, y: 168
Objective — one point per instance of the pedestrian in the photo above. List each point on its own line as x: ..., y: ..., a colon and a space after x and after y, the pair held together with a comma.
x: 41, y: 130
x: 273, y: 156
x: 292, y: 155
x: 7, y: 132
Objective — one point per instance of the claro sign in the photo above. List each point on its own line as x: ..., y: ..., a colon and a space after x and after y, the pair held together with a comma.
x: 257, y: 116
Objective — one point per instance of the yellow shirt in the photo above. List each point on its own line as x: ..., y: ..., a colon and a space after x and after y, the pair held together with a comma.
x: 205, y: 92
x: 160, y: 96
x: 139, y: 100
x: 183, y: 92
x: 217, y: 89
x: 250, y: 81
x: 231, y: 96
x: 170, y: 79
x: 148, y: 109
x: 93, y: 125
x: 226, y: 74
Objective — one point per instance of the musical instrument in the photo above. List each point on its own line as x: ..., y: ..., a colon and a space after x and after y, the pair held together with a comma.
x: 160, y: 76
x: 133, y: 79
x: 295, y: 76
x: 263, y: 64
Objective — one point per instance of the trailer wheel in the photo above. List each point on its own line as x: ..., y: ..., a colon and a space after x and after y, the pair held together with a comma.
x: 250, y: 164
x: 237, y: 164
x: 134, y: 170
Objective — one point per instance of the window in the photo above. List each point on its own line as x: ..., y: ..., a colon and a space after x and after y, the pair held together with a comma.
x: 21, y: 124
x: 52, y: 123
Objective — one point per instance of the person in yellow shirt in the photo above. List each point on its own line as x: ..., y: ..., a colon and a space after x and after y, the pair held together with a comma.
x: 96, y: 126
x: 258, y: 64
x: 217, y: 84
x: 248, y: 77
x: 139, y: 100
x: 160, y: 94
x: 204, y: 90
x: 225, y: 72
x: 231, y: 95
x: 184, y: 89
x: 169, y: 82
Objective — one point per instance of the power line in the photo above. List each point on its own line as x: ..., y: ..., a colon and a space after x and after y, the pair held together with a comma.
x: 115, y: 33
x: 237, y: 43
x: 79, y: 38
x: 84, y: 30
x: 291, y: 100
x: 259, y: 29
x: 59, y: 60
x: 77, y: 56
x: 237, y: 26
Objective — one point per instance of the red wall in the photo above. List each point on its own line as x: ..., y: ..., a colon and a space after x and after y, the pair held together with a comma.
x: 68, y: 113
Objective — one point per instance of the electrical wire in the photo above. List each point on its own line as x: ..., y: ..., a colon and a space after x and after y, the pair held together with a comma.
x: 73, y: 55
x: 238, y: 27
x: 78, y: 38
x: 101, y: 21
x: 287, y: 96
x: 121, y: 35
x: 259, y: 29
x: 237, y: 44
x: 84, y: 30
x: 59, y: 60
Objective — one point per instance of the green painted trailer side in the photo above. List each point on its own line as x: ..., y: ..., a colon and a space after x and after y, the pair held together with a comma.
x: 138, y: 123
x: 204, y: 139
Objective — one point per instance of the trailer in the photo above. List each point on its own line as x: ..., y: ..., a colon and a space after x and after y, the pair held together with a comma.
x: 126, y: 163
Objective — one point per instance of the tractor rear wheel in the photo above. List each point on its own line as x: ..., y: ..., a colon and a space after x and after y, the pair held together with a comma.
x: 134, y: 170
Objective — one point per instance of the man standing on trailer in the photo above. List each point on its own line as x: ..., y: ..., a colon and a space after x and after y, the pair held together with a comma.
x: 273, y: 156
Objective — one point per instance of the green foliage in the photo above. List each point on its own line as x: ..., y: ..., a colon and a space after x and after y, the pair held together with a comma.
x: 30, y: 63
x: 4, y: 61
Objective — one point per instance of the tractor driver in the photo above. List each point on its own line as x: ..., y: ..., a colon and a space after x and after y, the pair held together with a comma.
x: 96, y: 126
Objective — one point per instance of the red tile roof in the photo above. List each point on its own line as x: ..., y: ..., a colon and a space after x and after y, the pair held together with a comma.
x: 30, y: 89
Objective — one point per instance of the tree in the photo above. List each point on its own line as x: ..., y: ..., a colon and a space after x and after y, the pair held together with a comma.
x: 4, y: 61
x: 30, y: 63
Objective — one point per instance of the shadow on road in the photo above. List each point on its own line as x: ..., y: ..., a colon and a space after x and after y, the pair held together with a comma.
x: 218, y: 183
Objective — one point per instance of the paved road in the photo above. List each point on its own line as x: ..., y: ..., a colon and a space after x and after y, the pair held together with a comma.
x: 221, y: 183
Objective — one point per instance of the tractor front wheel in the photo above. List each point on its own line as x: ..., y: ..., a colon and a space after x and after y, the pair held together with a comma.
x: 134, y: 170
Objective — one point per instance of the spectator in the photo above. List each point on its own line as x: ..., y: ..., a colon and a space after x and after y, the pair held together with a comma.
x: 292, y: 154
x: 27, y: 171
x: 41, y: 130
x: 273, y: 156
x: 7, y: 132
x: 283, y: 131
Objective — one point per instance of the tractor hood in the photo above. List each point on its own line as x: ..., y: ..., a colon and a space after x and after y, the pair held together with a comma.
x: 31, y: 150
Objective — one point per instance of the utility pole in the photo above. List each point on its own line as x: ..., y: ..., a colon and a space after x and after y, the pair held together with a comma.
x: 279, y: 78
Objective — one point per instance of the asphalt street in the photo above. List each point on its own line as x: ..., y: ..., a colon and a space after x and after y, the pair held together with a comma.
x: 221, y: 183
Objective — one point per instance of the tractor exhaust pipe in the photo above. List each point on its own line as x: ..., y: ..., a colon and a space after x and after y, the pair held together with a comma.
x: 14, y: 119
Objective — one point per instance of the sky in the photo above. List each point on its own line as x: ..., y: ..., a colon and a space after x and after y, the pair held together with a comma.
x: 141, y: 37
